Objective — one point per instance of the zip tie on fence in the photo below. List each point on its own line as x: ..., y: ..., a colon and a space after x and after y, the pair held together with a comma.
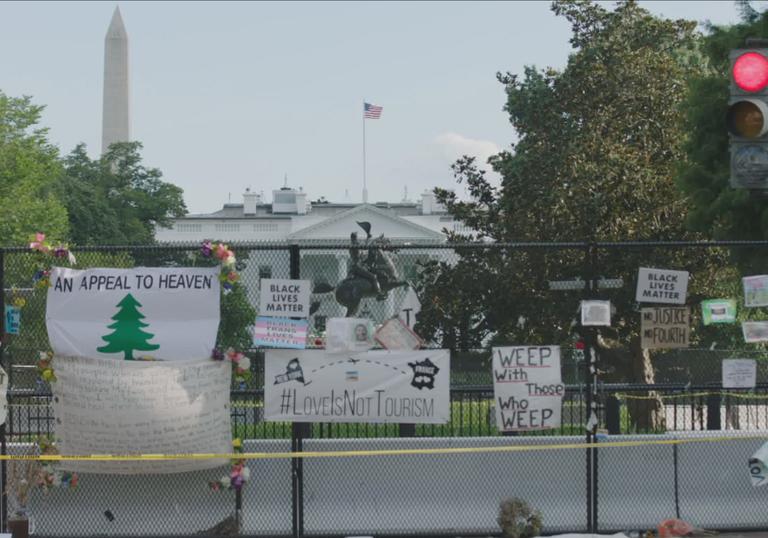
x: 389, y: 452
x: 743, y: 395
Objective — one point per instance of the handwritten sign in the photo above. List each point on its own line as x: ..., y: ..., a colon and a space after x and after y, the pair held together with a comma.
x: 280, y: 332
x: 527, y: 387
x: 283, y: 298
x: 718, y: 311
x: 395, y: 334
x: 739, y: 373
x: 661, y: 286
x: 12, y: 319
x: 755, y: 331
x: 665, y: 327
x: 139, y: 407
x: 755, y: 290
x: 126, y: 314
x: 407, y: 387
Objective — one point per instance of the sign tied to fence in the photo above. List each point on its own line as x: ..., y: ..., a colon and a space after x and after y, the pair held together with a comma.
x: 661, y: 286
x: 407, y: 387
x: 665, y: 327
x: 527, y: 387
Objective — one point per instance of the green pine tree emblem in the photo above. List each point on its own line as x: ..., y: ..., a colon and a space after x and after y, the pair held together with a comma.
x: 127, y: 335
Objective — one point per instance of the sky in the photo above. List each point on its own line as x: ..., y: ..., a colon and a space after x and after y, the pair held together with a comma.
x: 233, y: 95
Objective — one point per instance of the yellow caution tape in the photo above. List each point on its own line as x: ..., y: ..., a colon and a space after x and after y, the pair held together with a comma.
x: 743, y: 395
x: 391, y: 452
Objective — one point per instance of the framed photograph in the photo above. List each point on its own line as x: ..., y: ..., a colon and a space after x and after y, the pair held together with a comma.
x: 395, y: 334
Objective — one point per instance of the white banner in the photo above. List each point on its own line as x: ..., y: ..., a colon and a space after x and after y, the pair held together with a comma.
x: 527, y: 387
x: 158, y: 313
x: 406, y: 387
x: 137, y: 407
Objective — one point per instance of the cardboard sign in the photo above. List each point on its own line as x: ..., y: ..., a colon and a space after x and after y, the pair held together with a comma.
x: 718, y: 311
x: 739, y: 373
x: 407, y: 387
x: 755, y: 331
x: 661, y: 286
x: 596, y: 313
x: 664, y: 327
x: 281, y: 298
x: 137, y: 407
x: 12, y: 319
x: 169, y: 313
x: 527, y: 387
x: 395, y: 334
x: 280, y: 332
x: 755, y: 290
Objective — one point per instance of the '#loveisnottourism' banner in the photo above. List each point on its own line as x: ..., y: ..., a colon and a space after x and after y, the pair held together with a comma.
x: 408, y: 387
x: 157, y: 313
x: 137, y: 407
x: 527, y: 387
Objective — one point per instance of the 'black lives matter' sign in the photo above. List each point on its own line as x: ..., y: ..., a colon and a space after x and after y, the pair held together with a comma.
x: 665, y: 327
x: 661, y: 286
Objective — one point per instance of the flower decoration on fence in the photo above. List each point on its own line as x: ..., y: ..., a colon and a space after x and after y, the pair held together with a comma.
x: 240, y: 362
x: 45, y: 367
x: 238, y: 475
x: 47, y: 250
x: 48, y: 476
x: 226, y: 257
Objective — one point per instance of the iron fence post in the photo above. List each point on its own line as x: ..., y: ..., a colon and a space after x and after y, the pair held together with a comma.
x: 298, y: 432
x: 590, y: 362
x: 3, y: 440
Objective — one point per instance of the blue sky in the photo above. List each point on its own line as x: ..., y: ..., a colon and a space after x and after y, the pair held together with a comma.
x: 233, y: 95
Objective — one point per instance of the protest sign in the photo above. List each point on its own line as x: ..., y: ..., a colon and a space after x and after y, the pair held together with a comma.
x: 410, y: 308
x: 718, y: 311
x: 758, y: 471
x: 395, y: 334
x: 664, y: 327
x: 755, y: 290
x: 139, y: 407
x: 755, y: 331
x: 596, y: 313
x: 348, y: 335
x: 12, y: 319
x: 280, y: 332
x: 527, y: 387
x: 407, y: 387
x: 661, y: 286
x: 144, y: 312
x: 282, y: 298
x: 739, y: 373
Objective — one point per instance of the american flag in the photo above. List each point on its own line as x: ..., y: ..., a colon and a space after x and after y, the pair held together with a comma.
x: 371, y: 112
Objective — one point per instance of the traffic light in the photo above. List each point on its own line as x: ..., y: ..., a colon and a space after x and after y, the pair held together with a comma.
x: 747, y: 118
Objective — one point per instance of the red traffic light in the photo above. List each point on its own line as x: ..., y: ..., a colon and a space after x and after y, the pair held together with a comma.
x: 750, y: 72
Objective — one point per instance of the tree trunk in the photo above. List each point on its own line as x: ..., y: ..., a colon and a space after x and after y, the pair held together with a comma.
x: 644, y: 415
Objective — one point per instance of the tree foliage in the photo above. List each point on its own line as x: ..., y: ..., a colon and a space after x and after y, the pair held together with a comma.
x: 116, y: 199
x: 29, y: 167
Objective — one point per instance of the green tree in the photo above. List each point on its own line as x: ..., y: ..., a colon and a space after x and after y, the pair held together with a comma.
x: 597, y: 146
x: 116, y: 200
x: 29, y: 168
x: 128, y: 335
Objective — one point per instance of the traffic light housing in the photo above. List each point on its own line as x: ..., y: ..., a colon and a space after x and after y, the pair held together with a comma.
x: 747, y: 118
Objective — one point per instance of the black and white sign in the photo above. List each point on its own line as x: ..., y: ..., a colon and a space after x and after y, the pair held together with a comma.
x: 661, y: 286
x: 739, y: 373
x: 282, y: 298
x: 665, y: 327
x: 407, y: 387
x: 527, y: 387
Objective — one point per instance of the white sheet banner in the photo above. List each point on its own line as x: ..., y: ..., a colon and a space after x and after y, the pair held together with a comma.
x: 138, y: 407
x: 406, y: 387
x: 527, y: 387
x: 158, y: 313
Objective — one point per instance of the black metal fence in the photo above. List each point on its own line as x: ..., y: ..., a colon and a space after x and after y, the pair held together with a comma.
x: 473, y: 296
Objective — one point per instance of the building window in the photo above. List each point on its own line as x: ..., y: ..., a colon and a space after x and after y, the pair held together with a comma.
x: 265, y: 227
x: 227, y: 227
x: 265, y: 271
x: 186, y: 227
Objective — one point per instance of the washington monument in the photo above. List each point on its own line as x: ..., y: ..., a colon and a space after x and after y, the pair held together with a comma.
x: 116, y: 118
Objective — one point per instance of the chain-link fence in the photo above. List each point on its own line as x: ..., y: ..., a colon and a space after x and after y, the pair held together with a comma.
x: 473, y: 296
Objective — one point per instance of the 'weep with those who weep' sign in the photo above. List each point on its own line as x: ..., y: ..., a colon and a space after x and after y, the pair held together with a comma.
x: 527, y: 387
x: 281, y: 298
x: 661, y: 286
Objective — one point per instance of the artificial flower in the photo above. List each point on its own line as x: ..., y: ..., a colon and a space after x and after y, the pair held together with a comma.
x: 38, y: 243
x: 19, y: 302
x: 217, y: 355
x: 237, y: 443
x: 246, y: 473
x: 221, y: 251
x: 206, y: 249
x: 244, y: 363
x: 48, y: 375
x: 225, y: 482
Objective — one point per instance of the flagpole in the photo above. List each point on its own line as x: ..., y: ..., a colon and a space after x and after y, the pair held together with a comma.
x: 365, y: 184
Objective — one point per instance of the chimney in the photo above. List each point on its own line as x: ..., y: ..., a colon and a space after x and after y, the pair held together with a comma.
x: 427, y: 203
x: 301, y: 202
x: 250, y: 201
